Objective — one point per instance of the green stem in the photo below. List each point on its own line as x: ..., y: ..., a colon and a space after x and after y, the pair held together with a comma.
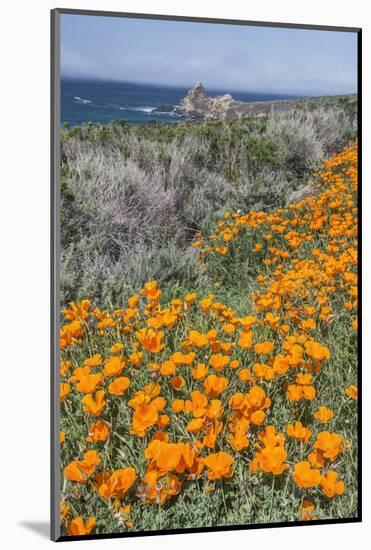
x: 272, y: 497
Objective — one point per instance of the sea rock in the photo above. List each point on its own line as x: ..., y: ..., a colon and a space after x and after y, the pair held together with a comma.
x: 199, y: 105
x: 220, y: 106
x: 195, y: 102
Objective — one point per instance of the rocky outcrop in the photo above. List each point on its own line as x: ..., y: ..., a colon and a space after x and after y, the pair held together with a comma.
x: 198, y: 104
x: 195, y: 102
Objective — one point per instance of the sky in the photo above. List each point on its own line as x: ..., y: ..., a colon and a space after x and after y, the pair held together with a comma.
x: 222, y: 56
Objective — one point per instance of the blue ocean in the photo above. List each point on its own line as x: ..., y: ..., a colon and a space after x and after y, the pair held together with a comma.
x: 101, y: 101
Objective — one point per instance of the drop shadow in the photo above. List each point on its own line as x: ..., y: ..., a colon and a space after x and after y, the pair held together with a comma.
x: 41, y: 528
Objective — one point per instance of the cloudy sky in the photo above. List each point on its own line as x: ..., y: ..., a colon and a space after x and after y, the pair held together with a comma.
x: 231, y: 57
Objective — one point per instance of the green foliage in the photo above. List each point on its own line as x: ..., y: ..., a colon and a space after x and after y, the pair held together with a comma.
x: 129, y: 190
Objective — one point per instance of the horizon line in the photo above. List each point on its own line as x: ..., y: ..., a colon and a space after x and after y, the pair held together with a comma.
x: 301, y: 94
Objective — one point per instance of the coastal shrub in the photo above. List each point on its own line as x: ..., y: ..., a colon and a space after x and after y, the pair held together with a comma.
x: 128, y: 188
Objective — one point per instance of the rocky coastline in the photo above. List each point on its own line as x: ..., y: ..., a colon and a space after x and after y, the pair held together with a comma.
x: 197, y: 105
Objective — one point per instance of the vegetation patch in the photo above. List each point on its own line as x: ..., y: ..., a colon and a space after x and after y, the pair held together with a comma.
x: 227, y: 395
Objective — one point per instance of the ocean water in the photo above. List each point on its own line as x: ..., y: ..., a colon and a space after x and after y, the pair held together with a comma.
x: 101, y: 102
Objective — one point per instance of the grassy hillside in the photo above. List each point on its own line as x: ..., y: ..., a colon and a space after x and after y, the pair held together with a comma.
x: 133, y: 198
x: 233, y: 402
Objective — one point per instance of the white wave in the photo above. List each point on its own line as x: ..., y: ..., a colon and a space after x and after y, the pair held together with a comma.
x: 147, y: 110
x: 81, y: 99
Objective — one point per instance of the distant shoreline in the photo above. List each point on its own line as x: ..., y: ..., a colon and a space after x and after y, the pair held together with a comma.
x: 101, y: 102
x: 142, y: 115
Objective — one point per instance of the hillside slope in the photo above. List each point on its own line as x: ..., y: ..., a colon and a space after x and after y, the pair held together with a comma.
x: 194, y: 412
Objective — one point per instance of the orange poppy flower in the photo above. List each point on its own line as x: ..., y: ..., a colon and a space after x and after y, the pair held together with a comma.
x: 299, y: 432
x: 239, y: 439
x: 280, y: 364
x: 64, y: 391
x: 261, y: 370
x: 198, y: 339
x: 81, y: 470
x: 117, y: 348
x: 323, y: 414
x: 271, y: 438
x: 69, y: 333
x: 271, y: 460
x: 78, y: 527
x: 245, y: 375
x: 257, y: 418
x: 135, y: 358
x: 328, y: 443
x: 167, y: 457
x: 219, y: 465
x: 294, y: 392
x: 195, y: 425
x: 79, y: 374
x: 119, y: 385
x: 183, y: 358
x: 257, y: 399
x: 304, y: 379
x: 99, y: 431
x: 247, y: 322
x: 305, y: 476
x: 177, y: 383
x: 150, y: 340
x: 264, y: 348
x: 330, y: 485
x: 316, y: 459
x: 89, y: 383
x: 118, y: 483
x: 94, y: 405
x: 163, y: 421
x: 133, y: 300
x: 308, y: 324
x: 93, y: 361
x: 228, y: 328
x: 145, y: 416
x: 78, y: 310
x: 317, y: 351
x: 178, y: 405
x: 352, y: 392
x: 113, y: 366
x: 245, y: 340
x: 158, y: 489
x: 105, y: 323
x: 215, y: 385
x: 234, y: 364
x: 307, y: 511
x: 218, y: 361
x: 211, y: 435
x: 197, y: 405
x: 309, y: 392
x: 190, y: 298
x: 168, y: 368
x: 200, y: 371
x: 151, y: 291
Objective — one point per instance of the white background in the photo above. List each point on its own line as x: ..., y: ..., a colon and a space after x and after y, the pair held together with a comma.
x: 24, y: 272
